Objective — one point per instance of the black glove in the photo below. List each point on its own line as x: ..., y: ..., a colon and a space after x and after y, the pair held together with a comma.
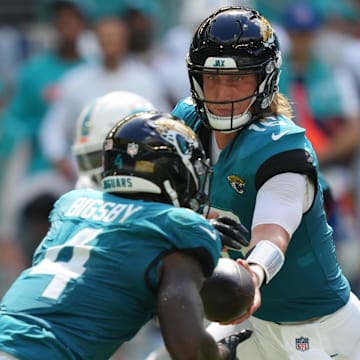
x: 233, y: 234
x: 232, y: 341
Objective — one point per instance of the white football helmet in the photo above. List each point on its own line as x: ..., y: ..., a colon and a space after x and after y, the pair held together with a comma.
x: 95, y: 121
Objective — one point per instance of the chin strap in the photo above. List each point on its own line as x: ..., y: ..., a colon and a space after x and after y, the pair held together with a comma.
x: 172, y: 193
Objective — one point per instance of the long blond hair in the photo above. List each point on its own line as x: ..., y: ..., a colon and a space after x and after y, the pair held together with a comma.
x: 281, y: 106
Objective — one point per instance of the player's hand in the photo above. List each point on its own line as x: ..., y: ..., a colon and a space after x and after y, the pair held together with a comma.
x: 257, y: 298
x: 233, y: 234
x: 231, y: 342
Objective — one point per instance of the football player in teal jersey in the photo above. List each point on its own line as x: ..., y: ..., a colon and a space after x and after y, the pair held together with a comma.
x: 267, y: 175
x: 112, y: 259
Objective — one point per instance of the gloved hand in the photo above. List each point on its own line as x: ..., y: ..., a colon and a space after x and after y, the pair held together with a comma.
x: 232, y: 341
x: 233, y: 234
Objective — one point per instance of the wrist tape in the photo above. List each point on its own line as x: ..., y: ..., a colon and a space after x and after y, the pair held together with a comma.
x: 268, y: 256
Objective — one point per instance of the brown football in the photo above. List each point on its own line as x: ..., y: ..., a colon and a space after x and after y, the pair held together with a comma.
x: 228, y: 292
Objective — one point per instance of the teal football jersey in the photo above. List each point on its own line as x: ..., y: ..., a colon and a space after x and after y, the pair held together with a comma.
x: 93, y: 282
x: 310, y: 284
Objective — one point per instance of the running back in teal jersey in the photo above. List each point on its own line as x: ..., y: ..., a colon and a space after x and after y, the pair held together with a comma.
x: 93, y: 282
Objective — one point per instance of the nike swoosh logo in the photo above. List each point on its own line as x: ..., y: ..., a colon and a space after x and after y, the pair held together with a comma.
x: 332, y: 356
x: 212, y: 233
x: 276, y: 137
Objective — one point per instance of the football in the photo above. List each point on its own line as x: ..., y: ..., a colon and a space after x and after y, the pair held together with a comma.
x: 228, y: 292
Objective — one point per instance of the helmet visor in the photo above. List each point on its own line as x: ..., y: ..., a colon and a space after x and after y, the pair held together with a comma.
x: 89, y: 161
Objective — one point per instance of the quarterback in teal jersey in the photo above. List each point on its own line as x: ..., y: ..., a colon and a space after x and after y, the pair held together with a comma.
x: 113, y: 259
x: 267, y: 175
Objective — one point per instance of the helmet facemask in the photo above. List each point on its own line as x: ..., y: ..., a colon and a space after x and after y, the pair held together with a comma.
x: 89, y: 161
x: 185, y: 185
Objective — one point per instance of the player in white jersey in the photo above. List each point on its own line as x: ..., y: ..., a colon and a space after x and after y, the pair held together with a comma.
x: 95, y: 121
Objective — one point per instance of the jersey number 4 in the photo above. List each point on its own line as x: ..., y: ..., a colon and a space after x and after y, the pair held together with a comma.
x: 71, y: 269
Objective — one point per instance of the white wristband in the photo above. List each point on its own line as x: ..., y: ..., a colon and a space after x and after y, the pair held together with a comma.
x: 269, y: 256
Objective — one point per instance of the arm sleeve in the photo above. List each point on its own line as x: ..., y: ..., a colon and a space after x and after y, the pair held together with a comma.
x: 282, y: 200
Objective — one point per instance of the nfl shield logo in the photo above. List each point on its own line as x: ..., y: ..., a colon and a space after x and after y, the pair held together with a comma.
x: 302, y: 344
x: 132, y: 149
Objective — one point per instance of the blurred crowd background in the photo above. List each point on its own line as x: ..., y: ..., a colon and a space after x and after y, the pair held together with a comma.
x: 55, y: 56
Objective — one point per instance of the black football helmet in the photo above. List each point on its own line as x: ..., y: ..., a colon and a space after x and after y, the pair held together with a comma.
x: 155, y: 156
x: 231, y: 40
